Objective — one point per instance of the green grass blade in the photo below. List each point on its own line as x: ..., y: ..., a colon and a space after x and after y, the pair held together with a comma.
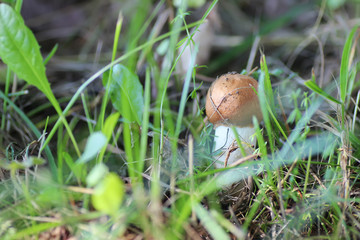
x: 107, y: 130
x: 263, y: 99
x: 145, y: 121
x: 344, y: 68
x: 51, y: 54
x: 185, y: 92
x: 136, y: 29
x: 35, y: 229
x: 210, y: 223
x: 100, y: 122
x: 267, y: 83
x: 314, y: 87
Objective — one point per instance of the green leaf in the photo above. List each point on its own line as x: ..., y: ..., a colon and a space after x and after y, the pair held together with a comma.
x: 96, y: 174
x: 20, y: 50
x: 313, y: 86
x: 76, y: 169
x: 265, y: 95
x: 108, y: 129
x: 335, y: 4
x: 110, y: 125
x: 126, y: 92
x: 94, y: 144
x: 208, y: 221
x: 344, y: 68
x: 108, y: 194
x: 267, y: 83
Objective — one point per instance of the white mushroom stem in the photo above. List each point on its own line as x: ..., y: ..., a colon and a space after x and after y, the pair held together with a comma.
x: 224, y: 139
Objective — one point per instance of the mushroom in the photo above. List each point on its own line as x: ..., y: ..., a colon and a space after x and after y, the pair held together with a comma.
x: 231, y: 103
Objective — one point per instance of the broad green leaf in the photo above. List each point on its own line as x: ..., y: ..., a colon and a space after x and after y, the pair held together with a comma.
x: 108, y: 194
x: 126, y: 92
x: 313, y: 86
x: 93, y: 145
x: 20, y: 50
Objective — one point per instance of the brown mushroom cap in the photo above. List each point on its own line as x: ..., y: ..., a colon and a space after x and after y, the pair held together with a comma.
x: 231, y: 100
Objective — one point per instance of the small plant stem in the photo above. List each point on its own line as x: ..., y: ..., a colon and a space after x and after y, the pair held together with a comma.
x: 307, y: 174
x: 67, y: 127
x: 253, y: 209
x: 281, y: 201
x: 108, y: 83
x: 60, y: 157
x: 145, y: 122
x: 355, y: 110
x: 87, y: 114
x: 7, y: 86
x: 239, y: 142
x: 18, y: 5
x: 191, y: 173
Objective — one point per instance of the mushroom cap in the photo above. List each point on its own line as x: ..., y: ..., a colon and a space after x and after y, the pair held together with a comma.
x: 232, y: 100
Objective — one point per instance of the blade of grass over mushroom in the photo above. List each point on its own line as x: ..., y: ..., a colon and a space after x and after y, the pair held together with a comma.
x: 289, y: 153
x: 21, y: 52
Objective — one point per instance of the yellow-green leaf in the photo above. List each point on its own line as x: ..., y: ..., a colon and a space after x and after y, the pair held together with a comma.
x: 109, y: 194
